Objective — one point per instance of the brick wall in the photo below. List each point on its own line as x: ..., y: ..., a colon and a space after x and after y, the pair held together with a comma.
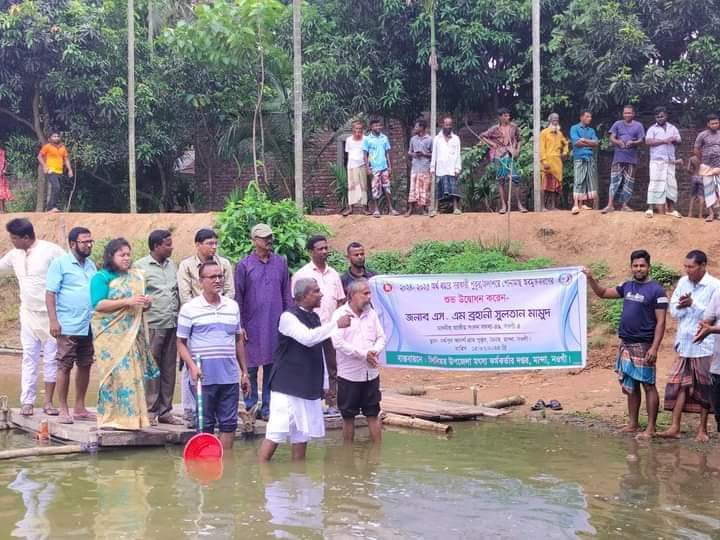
x: 323, y: 148
x: 639, y: 198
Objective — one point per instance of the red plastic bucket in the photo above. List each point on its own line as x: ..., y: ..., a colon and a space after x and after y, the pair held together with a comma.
x: 203, y: 446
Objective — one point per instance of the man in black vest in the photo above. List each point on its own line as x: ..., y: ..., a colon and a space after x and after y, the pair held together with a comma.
x: 299, y: 377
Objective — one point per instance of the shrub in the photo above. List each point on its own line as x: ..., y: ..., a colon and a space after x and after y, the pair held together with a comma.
x: 600, y: 269
x: 387, y: 262
x: 337, y: 260
x: 665, y: 275
x: 291, y: 229
x: 611, y: 311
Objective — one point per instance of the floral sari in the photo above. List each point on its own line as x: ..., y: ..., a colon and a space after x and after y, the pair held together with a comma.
x: 123, y: 358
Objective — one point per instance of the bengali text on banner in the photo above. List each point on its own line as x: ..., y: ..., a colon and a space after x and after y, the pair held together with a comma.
x: 534, y: 319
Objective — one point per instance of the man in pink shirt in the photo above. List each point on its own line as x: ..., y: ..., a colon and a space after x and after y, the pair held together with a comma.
x: 358, y: 348
x: 333, y: 296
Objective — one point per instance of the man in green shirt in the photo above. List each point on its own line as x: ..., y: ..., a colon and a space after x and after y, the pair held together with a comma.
x: 161, y: 284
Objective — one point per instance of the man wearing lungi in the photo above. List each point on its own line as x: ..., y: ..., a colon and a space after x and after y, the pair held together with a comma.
x: 707, y: 149
x: 710, y: 326
x: 504, y: 142
x: 584, y: 139
x: 641, y: 329
x: 688, y: 386
x: 356, y: 170
x: 626, y: 134
x: 299, y: 377
x: 662, y: 138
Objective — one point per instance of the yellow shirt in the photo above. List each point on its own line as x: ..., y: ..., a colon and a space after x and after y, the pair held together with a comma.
x: 54, y: 157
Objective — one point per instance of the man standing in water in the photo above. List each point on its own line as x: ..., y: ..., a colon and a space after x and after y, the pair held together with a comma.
x: 642, y: 325
x: 54, y: 159
x: 189, y: 287
x: 297, y: 379
x: 358, y: 349
x: 209, y: 328
x: 626, y: 134
x: 30, y: 261
x: 68, y: 304
x: 262, y: 290
x: 688, y: 387
x: 161, y: 284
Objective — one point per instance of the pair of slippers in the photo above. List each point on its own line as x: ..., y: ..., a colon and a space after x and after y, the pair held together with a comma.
x: 553, y: 404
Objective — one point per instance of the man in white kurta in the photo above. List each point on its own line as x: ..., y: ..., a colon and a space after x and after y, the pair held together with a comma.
x: 29, y: 260
x: 298, y: 378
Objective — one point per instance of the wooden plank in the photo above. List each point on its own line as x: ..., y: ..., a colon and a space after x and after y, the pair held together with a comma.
x: 434, y: 409
x: 79, y: 432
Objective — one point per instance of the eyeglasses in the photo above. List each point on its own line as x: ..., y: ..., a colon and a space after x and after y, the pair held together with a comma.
x: 86, y: 242
x: 214, y: 277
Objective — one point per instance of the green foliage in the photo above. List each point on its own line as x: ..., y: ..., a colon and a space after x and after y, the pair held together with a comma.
x: 663, y: 274
x: 290, y: 228
x: 340, y: 183
x: 451, y: 258
x: 599, y: 269
x: 337, y: 260
x: 610, y: 312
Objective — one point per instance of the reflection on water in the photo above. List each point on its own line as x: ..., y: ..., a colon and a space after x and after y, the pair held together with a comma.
x: 492, y: 480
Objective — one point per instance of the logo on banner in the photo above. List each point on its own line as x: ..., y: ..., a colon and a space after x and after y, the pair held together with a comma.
x: 387, y: 287
x: 565, y: 279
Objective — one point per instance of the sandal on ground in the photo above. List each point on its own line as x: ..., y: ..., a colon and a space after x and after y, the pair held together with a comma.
x: 575, y: 211
x: 585, y: 207
x: 607, y: 210
x: 648, y: 213
x: 65, y: 419
x: 394, y: 212
x: 539, y: 405
x: 457, y: 211
x: 675, y: 214
x: 626, y: 208
x: 523, y: 210
x: 709, y: 219
x: 153, y: 421
x: 50, y: 410
x: 86, y: 416
x: 376, y: 214
x: 27, y: 410
x: 555, y: 405
x: 502, y: 211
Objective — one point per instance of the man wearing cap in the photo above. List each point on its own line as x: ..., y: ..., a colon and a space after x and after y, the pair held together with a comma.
x: 262, y: 290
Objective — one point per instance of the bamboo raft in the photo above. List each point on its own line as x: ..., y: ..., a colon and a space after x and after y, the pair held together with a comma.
x: 435, y: 409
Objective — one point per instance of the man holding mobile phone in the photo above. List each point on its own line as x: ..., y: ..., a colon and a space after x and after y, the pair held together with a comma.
x: 689, y: 385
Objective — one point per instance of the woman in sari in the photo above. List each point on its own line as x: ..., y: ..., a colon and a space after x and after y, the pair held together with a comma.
x: 121, y: 348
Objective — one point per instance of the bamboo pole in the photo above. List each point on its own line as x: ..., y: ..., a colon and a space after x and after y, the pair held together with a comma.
x: 505, y: 402
x: 399, y: 420
x: 298, y: 103
x: 132, y: 177
x: 42, y: 451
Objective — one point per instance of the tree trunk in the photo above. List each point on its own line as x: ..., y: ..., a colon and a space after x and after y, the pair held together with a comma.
x: 390, y: 419
x: 165, y: 201
x: 37, y: 128
x: 132, y: 179
x: 298, y: 103
x: 433, y: 100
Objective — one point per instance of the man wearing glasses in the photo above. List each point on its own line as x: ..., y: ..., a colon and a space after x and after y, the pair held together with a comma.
x: 189, y: 287
x: 262, y: 290
x: 68, y: 304
x: 209, y: 327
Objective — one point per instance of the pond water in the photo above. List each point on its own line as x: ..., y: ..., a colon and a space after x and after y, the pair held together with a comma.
x: 490, y: 480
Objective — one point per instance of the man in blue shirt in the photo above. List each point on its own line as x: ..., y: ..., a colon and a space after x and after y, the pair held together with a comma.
x: 376, y: 149
x: 68, y: 305
x: 584, y: 140
x: 642, y: 325
x: 626, y: 134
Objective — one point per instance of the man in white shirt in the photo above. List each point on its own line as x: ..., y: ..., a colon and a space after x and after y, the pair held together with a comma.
x: 298, y: 377
x: 333, y: 296
x: 356, y: 171
x: 662, y: 138
x: 358, y: 348
x: 688, y: 386
x: 446, y: 164
x: 30, y: 261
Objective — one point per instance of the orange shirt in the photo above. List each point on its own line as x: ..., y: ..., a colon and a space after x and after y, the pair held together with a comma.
x: 54, y: 157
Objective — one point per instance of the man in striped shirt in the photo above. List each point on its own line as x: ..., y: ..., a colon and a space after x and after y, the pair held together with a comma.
x: 209, y: 328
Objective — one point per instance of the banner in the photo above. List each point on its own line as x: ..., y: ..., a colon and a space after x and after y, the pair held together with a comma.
x: 535, y: 319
